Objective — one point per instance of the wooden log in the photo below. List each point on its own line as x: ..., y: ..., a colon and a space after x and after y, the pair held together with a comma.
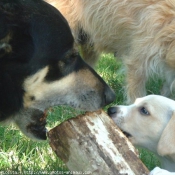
x: 93, y: 144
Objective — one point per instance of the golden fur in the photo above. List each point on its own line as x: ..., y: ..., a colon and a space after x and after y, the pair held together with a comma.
x: 141, y: 32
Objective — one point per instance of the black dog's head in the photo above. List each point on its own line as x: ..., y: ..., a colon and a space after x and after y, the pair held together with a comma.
x: 39, y: 66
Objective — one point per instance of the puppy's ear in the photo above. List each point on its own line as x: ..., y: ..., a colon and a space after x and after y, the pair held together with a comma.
x: 166, y: 145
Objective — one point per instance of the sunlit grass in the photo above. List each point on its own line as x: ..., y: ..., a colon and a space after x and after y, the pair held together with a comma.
x: 19, y: 154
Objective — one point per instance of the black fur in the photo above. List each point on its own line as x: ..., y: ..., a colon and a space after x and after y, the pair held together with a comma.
x: 31, y: 24
x: 33, y: 35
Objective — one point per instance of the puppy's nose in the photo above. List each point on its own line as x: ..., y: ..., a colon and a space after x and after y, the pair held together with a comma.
x: 112, y: 110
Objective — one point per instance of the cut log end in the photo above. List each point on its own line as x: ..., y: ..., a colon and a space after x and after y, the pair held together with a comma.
x: 93, y: 143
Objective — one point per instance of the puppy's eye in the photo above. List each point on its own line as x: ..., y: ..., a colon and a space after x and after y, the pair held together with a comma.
x: 144, y: 111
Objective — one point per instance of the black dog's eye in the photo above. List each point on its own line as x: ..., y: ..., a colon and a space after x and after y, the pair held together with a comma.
x: 144, y: 111
x: 70, y: 57
x: 74, y: 55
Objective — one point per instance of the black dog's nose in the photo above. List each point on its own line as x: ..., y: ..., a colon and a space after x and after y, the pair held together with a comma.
x: 109, y: 95
x: 112, y: 110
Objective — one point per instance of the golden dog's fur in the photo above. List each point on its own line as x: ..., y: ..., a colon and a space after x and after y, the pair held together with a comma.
x: 142, y: 32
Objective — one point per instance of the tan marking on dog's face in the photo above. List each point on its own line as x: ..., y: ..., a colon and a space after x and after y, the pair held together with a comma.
x: 33, y: 86
x: 7, y: 38
x: 145, y: 120
x: 78, y: 89
x: 4, y: 44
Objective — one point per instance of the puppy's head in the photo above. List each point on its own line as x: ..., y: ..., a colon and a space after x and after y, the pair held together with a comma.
x: 145, y: 120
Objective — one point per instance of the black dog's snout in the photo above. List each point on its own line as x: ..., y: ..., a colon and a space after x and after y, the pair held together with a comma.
x: 109, y: 95
x: 112, y: 110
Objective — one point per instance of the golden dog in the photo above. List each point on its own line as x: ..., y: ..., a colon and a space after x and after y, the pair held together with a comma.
x: 141, y: 32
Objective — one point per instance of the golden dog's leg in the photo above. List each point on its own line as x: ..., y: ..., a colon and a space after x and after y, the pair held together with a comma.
x: 135, y: 80
x: 168, y: 88
x: 86, y: 46
x: 89, y: 54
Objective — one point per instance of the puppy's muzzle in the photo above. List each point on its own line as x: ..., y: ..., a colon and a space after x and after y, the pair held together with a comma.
x: 112, y: 112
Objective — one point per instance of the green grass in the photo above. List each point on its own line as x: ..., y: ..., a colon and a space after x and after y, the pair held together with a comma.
x: 18, y: 154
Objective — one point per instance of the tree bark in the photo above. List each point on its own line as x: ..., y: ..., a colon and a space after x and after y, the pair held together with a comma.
x: 93, y: 144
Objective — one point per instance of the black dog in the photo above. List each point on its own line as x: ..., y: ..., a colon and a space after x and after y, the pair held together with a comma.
x: 39, y: 67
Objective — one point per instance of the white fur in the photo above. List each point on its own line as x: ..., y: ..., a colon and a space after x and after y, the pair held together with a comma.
x: 154, y: 130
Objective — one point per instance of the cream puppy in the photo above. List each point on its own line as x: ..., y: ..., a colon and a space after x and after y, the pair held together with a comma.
x: 150, y: 123
x: 159, y: 171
